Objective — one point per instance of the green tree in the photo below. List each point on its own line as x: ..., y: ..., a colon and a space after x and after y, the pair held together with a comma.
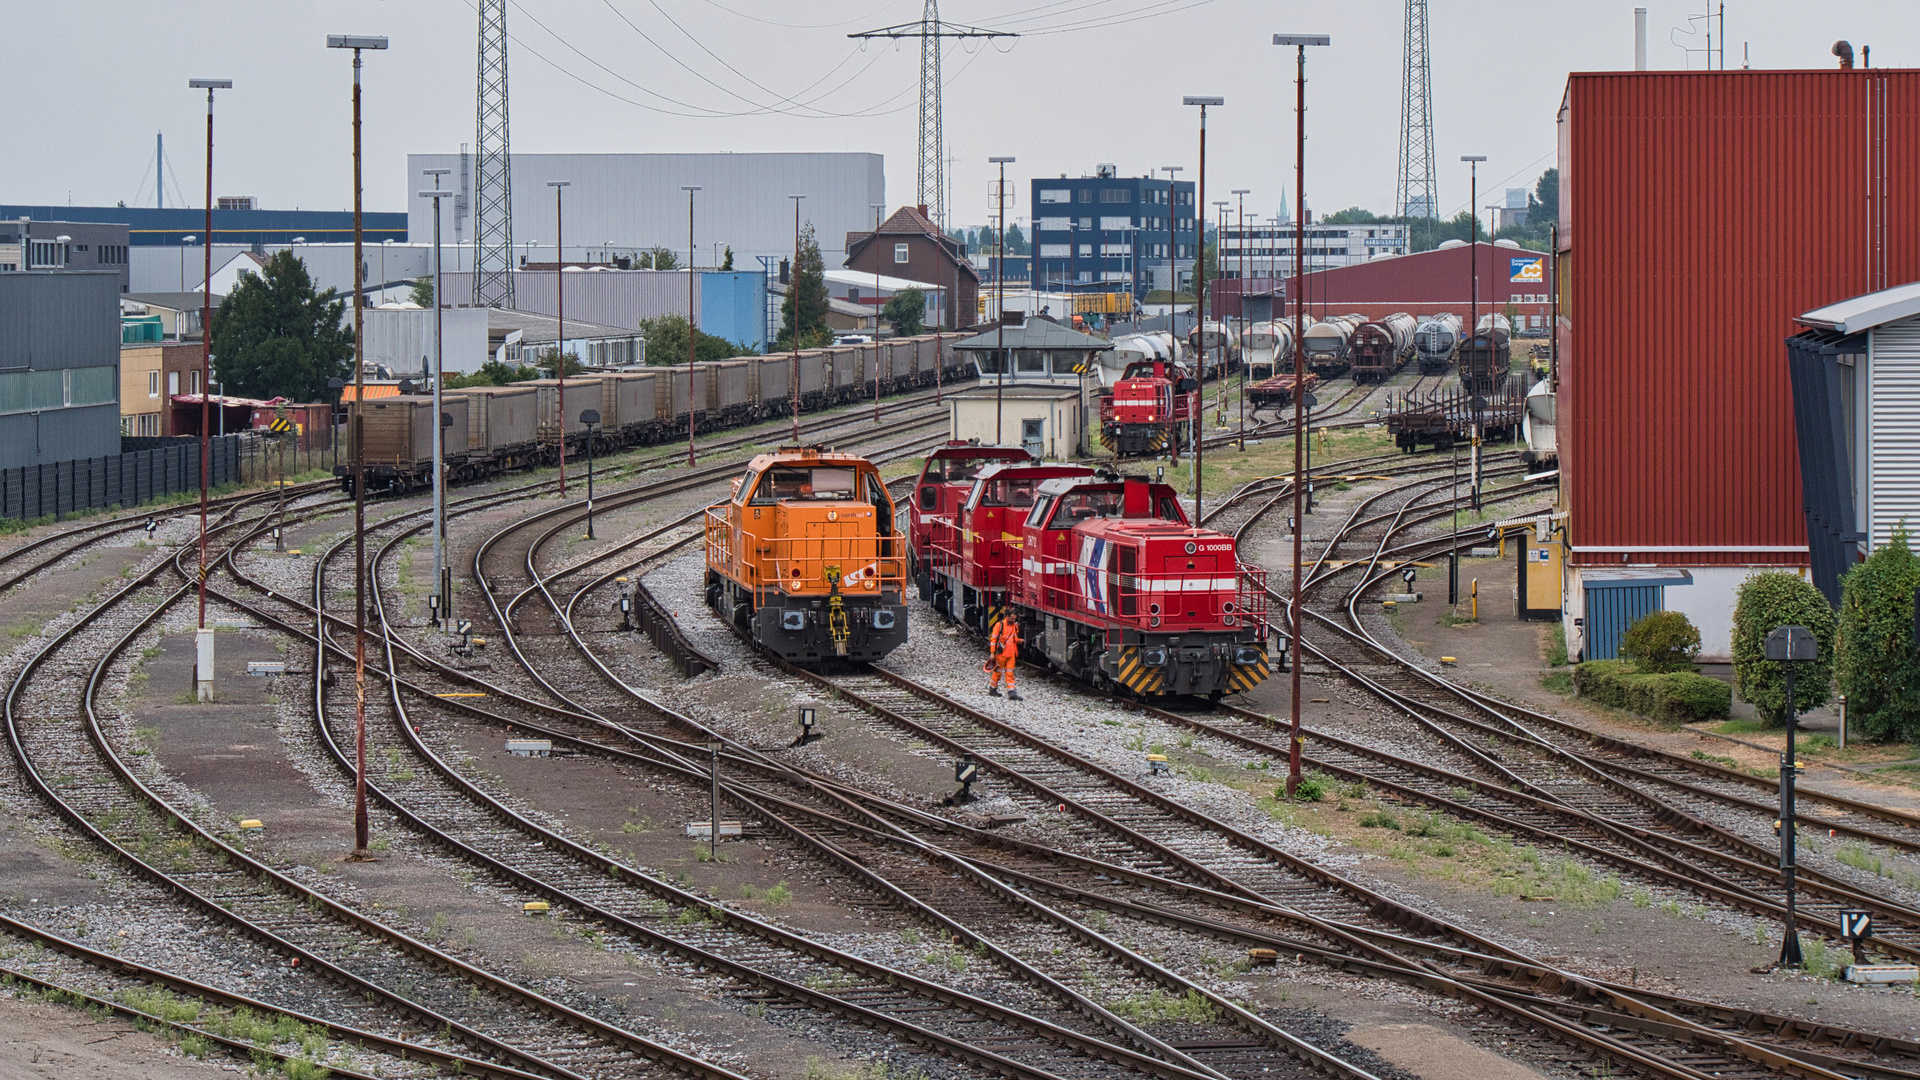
x: 1016, y: 240
x: 274, y: 336
x: 549, y: 357
x: 808, y: 286
x: 726, y: 261
x: 422, y: 293
x: 1661, y: 641
x: 1775, y: 599
x: 492, y: 373
x: 667, y: 342
x: 1876, y: 665
x: 659, y: 258
x: 906, y: 310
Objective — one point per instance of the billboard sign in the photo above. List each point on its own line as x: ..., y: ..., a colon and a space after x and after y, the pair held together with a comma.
x: 1529, y: 269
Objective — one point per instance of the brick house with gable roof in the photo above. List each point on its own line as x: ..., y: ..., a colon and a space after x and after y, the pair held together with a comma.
x: 911, y: 246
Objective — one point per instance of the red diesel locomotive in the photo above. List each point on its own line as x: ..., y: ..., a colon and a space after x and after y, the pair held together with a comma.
x: 1149, y: 406
x: 946, y: 478
x: 1108, y: 581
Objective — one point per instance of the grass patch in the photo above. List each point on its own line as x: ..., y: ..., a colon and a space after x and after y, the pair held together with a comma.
x: 1558, y: 682
x: 1161, y: 1007
x: 1557, y: 646
x: 1743, y: 727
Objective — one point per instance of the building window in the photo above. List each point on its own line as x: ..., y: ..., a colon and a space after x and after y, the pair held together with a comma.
x: 1116, y: 223
x: 1086, y: 251
x: 1115, y: 195
x: 173, y: 383
x: 153, y: 384
x: 1055, y: 251
x: 1085, y: 195
x: 193, y: 380
x: 1053, y: 224
x: 1086, y: 223
x: 1055, y: 195
x: 899, y: 253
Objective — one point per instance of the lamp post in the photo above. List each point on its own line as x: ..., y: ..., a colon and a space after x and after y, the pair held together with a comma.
x: 360, y: 853
x: 1299, y: 42
x: 793, y: 301
x: 1220, y: 253
x: 560, y: 318
x: 589, y: 418
x: 878, y: 209
x: 1000, y: 297
x: 442, y: 577
x: 1173, y: 264
x: 1196, y: 410
x: 185, y: 242
x: 693, y: 322
x: 1241, y: 194
x: 1790, y: 645
x: 203, y: 637
x: 384, y: 244
x: 1473, y: 273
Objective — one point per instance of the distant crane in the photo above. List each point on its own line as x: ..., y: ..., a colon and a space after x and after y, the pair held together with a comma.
x: 492, y: 177
x: 933, y: 142
x: 1415, y: 192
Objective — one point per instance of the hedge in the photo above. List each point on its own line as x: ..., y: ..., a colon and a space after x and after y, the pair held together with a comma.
x: 1874, y: 650
x: 1675, y: 697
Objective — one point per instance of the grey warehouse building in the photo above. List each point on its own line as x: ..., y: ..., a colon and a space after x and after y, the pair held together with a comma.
x: 59, y: 366
x: 619, y: 203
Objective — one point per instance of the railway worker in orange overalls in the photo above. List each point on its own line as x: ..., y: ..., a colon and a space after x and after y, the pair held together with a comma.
x: 1003, y: 652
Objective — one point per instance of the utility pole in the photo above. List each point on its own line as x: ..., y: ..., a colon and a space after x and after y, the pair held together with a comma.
x: 442, y: 574
x: 693, y: 329
x: 492, y: 177
x: 203, y: 637
x: 1197, y: 411
x: 1473, y: 262
x: 1241, y: 194
x: 560, y: 321
x: 793, y: 299
x: 360, y: 833
x: 930, y: 31
x: 1295, y: 737
x: 1000, y: 297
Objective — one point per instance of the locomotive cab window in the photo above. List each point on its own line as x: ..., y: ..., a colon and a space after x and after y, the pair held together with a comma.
x: 877, y: 498
x: 1039, y: 512
x: 1170, y: 510
x: 784, y: 484
x: 1077, y: 506
x: 1016, y: 492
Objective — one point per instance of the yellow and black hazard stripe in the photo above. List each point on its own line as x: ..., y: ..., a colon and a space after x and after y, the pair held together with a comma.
x: 1244, y: 677
x: 1138, y: 677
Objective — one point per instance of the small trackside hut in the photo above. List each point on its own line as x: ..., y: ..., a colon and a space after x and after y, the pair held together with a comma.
x: 805, y: 558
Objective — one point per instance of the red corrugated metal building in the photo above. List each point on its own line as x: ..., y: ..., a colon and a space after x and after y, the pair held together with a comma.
x: 1431, y: 282
x: 1699, y: 213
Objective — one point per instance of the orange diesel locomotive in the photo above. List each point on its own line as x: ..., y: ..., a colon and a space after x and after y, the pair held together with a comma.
x: 805, y: 558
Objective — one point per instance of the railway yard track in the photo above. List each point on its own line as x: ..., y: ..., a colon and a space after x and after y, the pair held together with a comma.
x: 1087, y: 924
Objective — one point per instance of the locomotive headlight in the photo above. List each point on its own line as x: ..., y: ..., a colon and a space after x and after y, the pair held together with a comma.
x: 1153, y: 609
x: 1227, y: 606
x: 869, y: 584
x: 1153, y: 621
x: 1229, y: 620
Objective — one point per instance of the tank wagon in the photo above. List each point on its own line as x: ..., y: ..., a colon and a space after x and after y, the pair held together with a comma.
x: 1267, y: 349
x: 1486, y: 356
x: 805, y: 558
x: 1214, y: 351
x: 1437, y: 341
x: 1378, y: 348
x: 520, y: 426
x: 1327, y: 345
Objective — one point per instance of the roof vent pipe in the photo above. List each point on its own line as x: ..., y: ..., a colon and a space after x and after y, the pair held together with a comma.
x: 1844, y: 51
x: 1639, y: 39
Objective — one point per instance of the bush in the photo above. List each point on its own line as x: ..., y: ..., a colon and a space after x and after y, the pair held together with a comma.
x: 1780, y: 599
x: 1875, y: 659
x: 1674, y: 697
x: 1661, y: 641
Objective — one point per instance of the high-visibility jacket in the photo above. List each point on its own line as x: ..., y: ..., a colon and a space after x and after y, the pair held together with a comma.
x: 1005, y: 639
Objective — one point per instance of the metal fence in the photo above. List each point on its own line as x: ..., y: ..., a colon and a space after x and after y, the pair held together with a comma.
x: 148, y: 469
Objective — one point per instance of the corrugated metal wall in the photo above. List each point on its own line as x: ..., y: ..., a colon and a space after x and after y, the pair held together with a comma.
x: 1893, y: 378
x: 1706, y: 210
x: 1611, y: 611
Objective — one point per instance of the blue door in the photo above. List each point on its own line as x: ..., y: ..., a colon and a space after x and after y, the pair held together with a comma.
x: 1611, y: 608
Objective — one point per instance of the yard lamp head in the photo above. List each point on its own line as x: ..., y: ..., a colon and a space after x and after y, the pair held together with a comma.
x: 1203, y: 101
x: 589, y: 417
x: 558, y: 183
x: 189, y: 239
x: 436, y: 193
x: 999, y: 161
x: 299, y: 239
x: 1299, y: 40
x: 355, y: 41
x: 210, y: 84
x: 1473, y: 157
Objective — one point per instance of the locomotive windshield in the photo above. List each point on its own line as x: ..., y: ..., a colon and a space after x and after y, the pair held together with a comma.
x: 1016, y: 492
x: 951, y: 469
x: 1081, y: 504
x: 820, y: 482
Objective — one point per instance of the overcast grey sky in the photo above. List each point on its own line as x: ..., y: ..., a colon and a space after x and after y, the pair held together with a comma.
x: 1091, y: 81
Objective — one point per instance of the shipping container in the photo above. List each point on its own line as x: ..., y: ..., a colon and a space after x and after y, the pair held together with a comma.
x: 670, y: 396
x: 582, y: 392
x: 398, y: 431
x: 626, y: 400
x: 500, y: 419
x: 725, y: 390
